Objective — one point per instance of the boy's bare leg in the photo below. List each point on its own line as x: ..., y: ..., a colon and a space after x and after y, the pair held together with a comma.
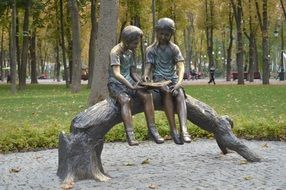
x: 169, y: 111
x: 150, y: 116
x: 126, y: 115
x: 182, y: 113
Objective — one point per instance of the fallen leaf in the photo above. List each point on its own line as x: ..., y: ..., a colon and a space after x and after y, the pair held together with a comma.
x: 242, y: 162
x: 153, y: 186
x: 15, y: 170
x: 247, y: 177
x: 129, y: 164
x: 167, y: 137
x: 67, y: 186
x: 265, y: 145
x: 147, y: 161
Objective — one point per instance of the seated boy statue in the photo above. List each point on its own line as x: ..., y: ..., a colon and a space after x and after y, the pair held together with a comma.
x: 123, y: 84
x: 166, y: 62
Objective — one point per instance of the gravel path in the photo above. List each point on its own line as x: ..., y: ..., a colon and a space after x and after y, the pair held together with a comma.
x: 198, y: 165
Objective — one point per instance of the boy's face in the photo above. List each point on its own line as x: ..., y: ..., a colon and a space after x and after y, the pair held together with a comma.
x: 163, y: 36
x: 133, y: 44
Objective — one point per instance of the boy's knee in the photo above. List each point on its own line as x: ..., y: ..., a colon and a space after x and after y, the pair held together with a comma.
x: 124, y: 99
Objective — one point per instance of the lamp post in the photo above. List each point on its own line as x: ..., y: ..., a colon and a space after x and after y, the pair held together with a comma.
x: 282, y: 72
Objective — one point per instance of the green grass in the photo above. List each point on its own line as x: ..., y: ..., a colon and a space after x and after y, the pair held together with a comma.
x: 33, y: 118
x: 258, y: 112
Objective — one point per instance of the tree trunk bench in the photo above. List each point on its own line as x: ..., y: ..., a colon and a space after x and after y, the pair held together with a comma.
x: 80, y: 151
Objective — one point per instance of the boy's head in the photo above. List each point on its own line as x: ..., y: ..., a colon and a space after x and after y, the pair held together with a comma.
x: 131, y: 36
x: 165, y: 24
x: 165, y: 28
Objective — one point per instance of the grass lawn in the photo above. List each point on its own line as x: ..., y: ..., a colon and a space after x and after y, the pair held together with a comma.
x: 33, y: 118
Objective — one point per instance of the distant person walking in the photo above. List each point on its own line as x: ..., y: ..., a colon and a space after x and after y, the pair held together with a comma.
x: 212, y: 73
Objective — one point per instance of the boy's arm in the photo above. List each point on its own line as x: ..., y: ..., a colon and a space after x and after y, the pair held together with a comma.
x: 119, y: 77
x: 147, y: 70
x: 180, y: 69
x: 134, y: 74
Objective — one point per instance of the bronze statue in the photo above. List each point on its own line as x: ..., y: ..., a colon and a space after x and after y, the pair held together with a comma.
x: 166, y: 62
x: 80, y: 151
x: 123, y: 84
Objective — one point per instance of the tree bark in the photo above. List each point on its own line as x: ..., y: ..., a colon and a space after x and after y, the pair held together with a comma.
x: 106, y: 39
x: 153, y: 19
x: 237, y: 10
x: 263, y: 22
x: 92, y: 44
x: 33, y: 58
x: 25, y: 47
x: 283, y: 9
x: 18, y: 50
x: 209, y: 31
x: 58, y: 63
x: 63, y: 44
x: 13, y: 53
x: 250, y: 37
x: 76, y: 47
x: 80, y: 152
x: 2, y: 55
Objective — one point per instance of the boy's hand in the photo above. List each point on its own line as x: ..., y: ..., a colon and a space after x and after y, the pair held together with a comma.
x: 145, y: 78
x: 175, y: 88
x: 137, y: 86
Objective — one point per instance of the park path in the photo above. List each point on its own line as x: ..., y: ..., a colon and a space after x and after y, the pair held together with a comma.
x: 198, y: 165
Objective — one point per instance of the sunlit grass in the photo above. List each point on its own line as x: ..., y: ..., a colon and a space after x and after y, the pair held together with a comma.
x: 33, y: 118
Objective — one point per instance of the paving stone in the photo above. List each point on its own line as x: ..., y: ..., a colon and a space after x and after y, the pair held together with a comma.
x: 198, y: 165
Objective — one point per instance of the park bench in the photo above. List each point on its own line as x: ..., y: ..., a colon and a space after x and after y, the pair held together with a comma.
x: 256, y: 75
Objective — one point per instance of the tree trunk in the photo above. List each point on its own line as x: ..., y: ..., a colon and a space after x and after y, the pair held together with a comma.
x: 283, y: 9
x: 18, y: 51
x: 92, y: 45
x: 2, y: 55
x: 80, y: 152
x: 251, y: 57
x: 263, y: 22
x: 256, y: 60
x: 265, y: 44
x: 63, y: 44
x: 153, y: 19
x: 58, y: 63
x: 33, y: 58
x: 237, y: 9
x: 76, y: 47
x: 13, y: 53
x: 250, y: 37
x: 106, y: 39
x: 229, y: 49
x: 25, y: 47
x: 209, y: 31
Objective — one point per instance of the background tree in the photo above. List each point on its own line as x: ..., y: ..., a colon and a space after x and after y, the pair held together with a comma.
x: 76, y: 47
x: 13, y: 53
x: 92, y: 45
x: 62, y: 29
x: 230, y: 43
x: 263, y: 23
x: 25, y: 46
x: 237, y: 11
x: 106, y: 39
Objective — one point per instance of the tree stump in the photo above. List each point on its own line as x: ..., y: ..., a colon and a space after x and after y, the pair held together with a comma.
x: 80, y: 152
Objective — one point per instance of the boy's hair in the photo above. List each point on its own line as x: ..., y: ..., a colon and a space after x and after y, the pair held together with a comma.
x: 165, y: 24
x: 131, y: 33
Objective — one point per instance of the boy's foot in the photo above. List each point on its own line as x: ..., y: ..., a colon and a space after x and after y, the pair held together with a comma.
x: 176, y: 138
x: 186, y: 137
x: 131, y: 139
x: 153, y: 134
